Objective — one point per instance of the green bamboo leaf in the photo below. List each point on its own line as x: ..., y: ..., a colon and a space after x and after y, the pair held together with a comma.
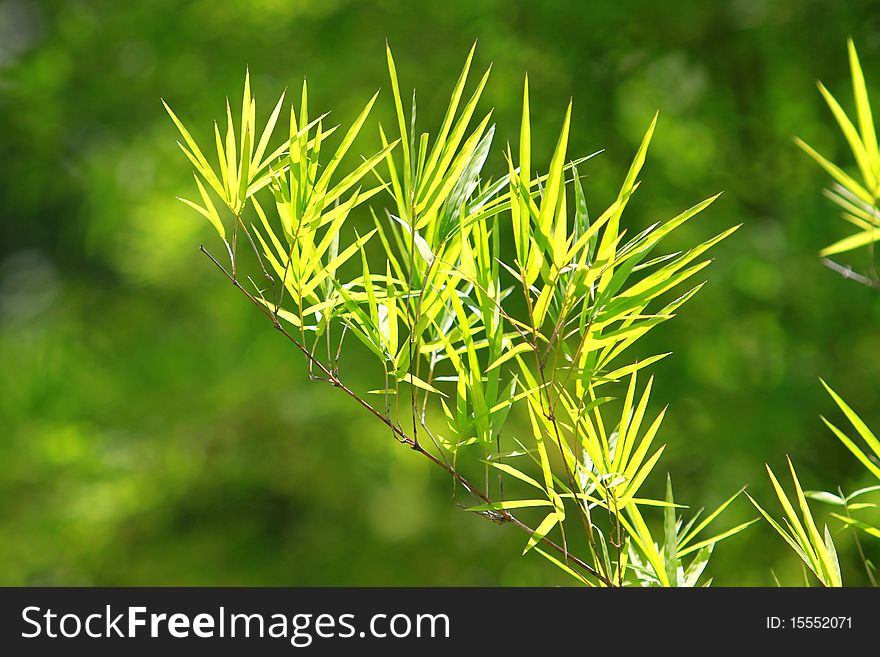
x: 509, y: 353
x: 611, y: 232
x: 451, y: 108
x: 868, y: 529
x: 794, y: 521
x: 638, y: 530
x: 401, y: 121
x: 555, y: 180
x: 267, y: 135
x: 700, y: 545
x: 443, y: 184
x: 630, y: 429
x: 837, y: 173
x: 852, y: 242
x: 851, y: 134
x: 525, y: 137
x: 689, y: 536
x: 433, y: 178
x: 582, y: 217
x: 286, y: 315
x: 359, y: 172
x: 644, y: 445
x: 670, y: 543
x: 455, y: 204
x: 244, y: 165
x: 334, y: 264
x: 544, y: 459
x: 331, y: 236
x: 792, y: 541
x: 264, y: 220
x: 639, y: 477
x: 603, y: 544
x: 862, y: 491
x: 245, y: 108
x: 293, y: 142
x: 421, y: 244
x: 629, y: 370
x: 504, y: 467
x: 863, y: 430
x: 548, y: 523
x: 863, y: 105
x: 372, y: 304
x: 390, y: 330
x: 231, y: 157
x: 697, y: 566
x: 208, y: 211
x: 562, y: 566
x: 194, y: 152
x: 418, y: 383
x: 852, y: 447
x: 865, y: 215
x: 223, y: 161
x: 832, y: 557
x: 324, y: 181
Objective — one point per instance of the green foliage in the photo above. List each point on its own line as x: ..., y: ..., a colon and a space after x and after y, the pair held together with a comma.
x: 231, y: 468
x: 817, y: 551
x: 462, y: 327
x: 655, y: 564
x: 857, y: 198
x: 870, y: 458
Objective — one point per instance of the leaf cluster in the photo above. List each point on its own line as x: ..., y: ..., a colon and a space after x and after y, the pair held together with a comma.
x: 501, y: 312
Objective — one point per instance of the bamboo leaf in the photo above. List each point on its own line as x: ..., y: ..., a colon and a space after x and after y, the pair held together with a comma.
x: 562, y: 566
x: 194, y: 152
x: 863, y: 105
x: 504, y: 467
x: 688, y: 537
x: 852, y: 242
x: 832, y: 556
x: 401, y: 121
x: 266, y: 136
x: 697, y: 566
x: 837, y: 173
x: 700, y: 545
x: 509, y: 353
x: 451, y: 108
x: 868, y: 529
x: 851, y: 134
x: 208, y: 211
x: 670, y: 543
x: 418, y: 383
x: 324, y: 181
x: 548, y: 523
x: 863, y: 430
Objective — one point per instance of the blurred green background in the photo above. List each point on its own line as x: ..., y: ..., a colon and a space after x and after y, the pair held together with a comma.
x: 155, y: 430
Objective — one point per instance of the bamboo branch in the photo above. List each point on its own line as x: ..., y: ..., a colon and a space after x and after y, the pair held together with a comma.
x: 402, y: 436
